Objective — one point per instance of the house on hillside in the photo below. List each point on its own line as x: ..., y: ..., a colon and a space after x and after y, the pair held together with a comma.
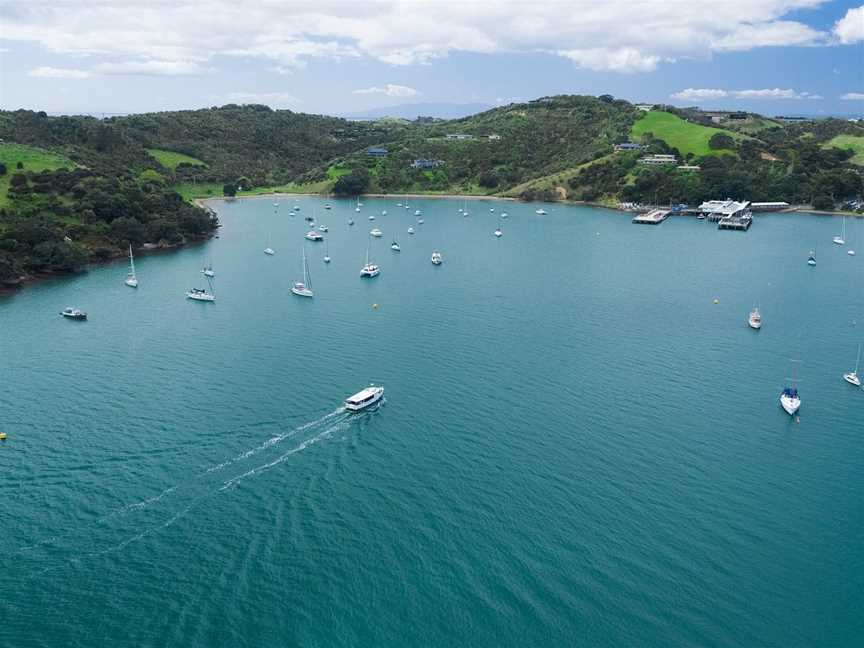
x: 629, y: 146
x: 644, y: 107
x: 494, y: 137
x: 689, y: 167
x: 426, y: 164
x: 458, y: 136
x: 377, y: 151
x: 658, y: 158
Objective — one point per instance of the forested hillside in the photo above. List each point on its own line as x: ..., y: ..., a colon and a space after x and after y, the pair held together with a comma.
x: 80, y: 189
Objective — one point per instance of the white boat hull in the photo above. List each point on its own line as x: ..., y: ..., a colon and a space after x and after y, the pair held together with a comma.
x: 204, y: 297
x: 852, y: 378
x: 789, y: 404
x: 302, y: 292
x: 361, y: 401
x: 131, y: 282
x: 269, y: 252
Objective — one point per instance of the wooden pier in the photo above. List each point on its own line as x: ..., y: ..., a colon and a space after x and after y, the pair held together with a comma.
x: 654, y: 217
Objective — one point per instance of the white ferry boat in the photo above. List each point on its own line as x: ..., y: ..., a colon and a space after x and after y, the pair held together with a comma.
x: 364, y: 398
x: 755, y: 319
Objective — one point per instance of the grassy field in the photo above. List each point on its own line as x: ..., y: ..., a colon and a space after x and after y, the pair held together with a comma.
x: 33, y: 159
x: 190, y: 191
x: 854, y: 142
x: 171, y: 160
x: 554, y: 180
x: 336, y: 172
x: 677, y: 133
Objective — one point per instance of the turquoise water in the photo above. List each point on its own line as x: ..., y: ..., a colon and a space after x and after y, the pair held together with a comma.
x: 578, y: 446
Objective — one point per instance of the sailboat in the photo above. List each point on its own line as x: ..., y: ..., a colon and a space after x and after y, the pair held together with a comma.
x: 202, y: 294
x: 208, y: 270
x: 853, y: 378
x: 789, y: 399
x: 811, y: 259
x: 369, y: 269
x: 357, y: 208
x: 326, y: 253
x: 465, y: 208
x: 269, y: 250
x: 841, y: 240
x: 303, y: 288
x: 131, y: 279
x: 498, y: 231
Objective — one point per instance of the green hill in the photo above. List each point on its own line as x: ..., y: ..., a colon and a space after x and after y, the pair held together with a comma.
x: 171, y: 159
x: 31, y: 159
x: 851, y: 142
x: 685, y: 136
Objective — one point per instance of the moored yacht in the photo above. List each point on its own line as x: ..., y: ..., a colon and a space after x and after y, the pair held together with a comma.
x: 540, y: 211
x: 375, y: 232
x: 437, y: 259
x: 790, y: 401
x: 395, y: 245
x: 200, y: 294
x: 852, y: 377
x: 303, y: 288
x: 208, y: 271
x: 369, y: 269
x: 410, y: 230
x: 841, y: 240
x: 73, y: 313
x: 811, y: 258
x: 131, y: 278
x: 323, y: 228
x: 755, y: 319
x: 364, y: 398
x: 312, y: 235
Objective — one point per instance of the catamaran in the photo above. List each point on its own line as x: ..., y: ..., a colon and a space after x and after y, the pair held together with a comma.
x: 755, y: 319
x: 303, y: 288
x: 364, y: 398
x: 131, y: 279
x: 841, y: 240
x: 852, y: 378
x: 369, y: 269
x: 790, y: 401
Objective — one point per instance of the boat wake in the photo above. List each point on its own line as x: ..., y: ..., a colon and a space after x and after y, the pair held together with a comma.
x: 191, y: 494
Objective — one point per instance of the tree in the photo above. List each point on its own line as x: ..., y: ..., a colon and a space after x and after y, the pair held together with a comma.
x: 229, y: 189
x: 20, y: 165
x: 352, y: 184
x: 488, y: 179
x: 823, y: 203
x: 2, y: 169
x: 127, y: 230
x: 721, y: 141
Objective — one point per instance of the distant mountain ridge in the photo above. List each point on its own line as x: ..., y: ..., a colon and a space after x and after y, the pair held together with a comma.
x: 414, y: 110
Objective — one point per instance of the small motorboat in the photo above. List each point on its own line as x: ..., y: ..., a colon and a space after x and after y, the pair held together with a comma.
x: 364, y: 398
x: 491, y: 209
x: 312, y: 235
x: 755, y: 319
x: 503, y: 214
x: 395, y: 246
x: 437, y: 259
x: 375, y: 232
x: 383, y: 212
x: 350, y: 221
x: 498, y: 233
x: 296, y: 207
x: 200, y: 294
x: 323, y: 228
x: 851, y: 252
x: 410, y: 230
x: 327, y: 206
x: 540, y: 211
x: 419, y: 221
x: 417, y: 212
x: 398, y: 204
x: 371, y: 216
x: 268, y: 251
x: 73, y: 313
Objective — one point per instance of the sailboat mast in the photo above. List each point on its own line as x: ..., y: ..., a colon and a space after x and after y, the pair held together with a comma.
x: 131, y: 260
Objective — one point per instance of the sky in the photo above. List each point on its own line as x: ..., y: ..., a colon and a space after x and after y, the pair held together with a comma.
x: 113, y: 56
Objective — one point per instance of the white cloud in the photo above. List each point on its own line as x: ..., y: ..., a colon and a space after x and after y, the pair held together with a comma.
x: 391, y: 90
x: 707, y: 94
x: 272, y: 99
x: 59, y: 73
x: 850, y: 28
x: 626, y: 59
x: 853, y: 96
x: 697, y: 94
x: 153, y: 68
x: 625, y: 36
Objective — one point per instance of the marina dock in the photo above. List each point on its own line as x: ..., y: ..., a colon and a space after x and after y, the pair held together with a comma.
x: 654, y: 217
x: 741, y: 223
